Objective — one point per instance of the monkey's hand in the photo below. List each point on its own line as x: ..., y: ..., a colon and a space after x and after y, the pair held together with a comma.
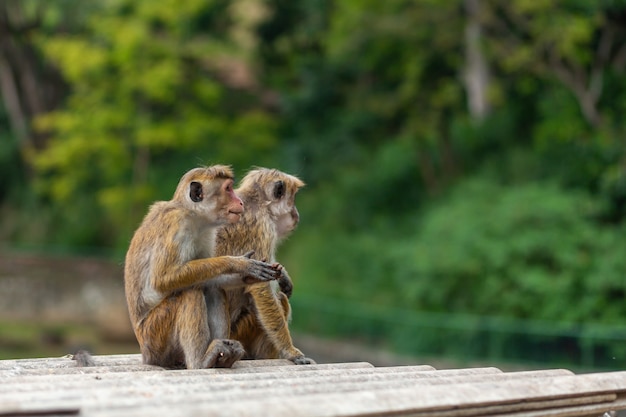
x: 258, y: 271
x: 285, y: 283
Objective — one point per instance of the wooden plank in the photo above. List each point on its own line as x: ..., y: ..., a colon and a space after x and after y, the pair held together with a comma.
x: 132, y: 359
x: 114, y: 360
x: 572, y: 410
x: 435, y: 401
x: 404, y: 375
x: 68, y: 367
x: 186, y: 390
x: 17, y: 412
x: 23, y: 375
x: 40, y: 384
x: 129, y: 394
x: 20, y: 372
x: 574, y: 406
x: 425, y: 401
x: 67, y: 362
x: 315, y: 373
x: 121, y: 385
x: 323, y: 376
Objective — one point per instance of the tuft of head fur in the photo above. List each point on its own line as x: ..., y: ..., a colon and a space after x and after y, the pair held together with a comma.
x: 258, y: 175
x: 202, y: 173
x: 264, y: 175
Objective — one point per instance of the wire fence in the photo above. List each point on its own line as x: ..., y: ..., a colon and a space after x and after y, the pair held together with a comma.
x: 465, y: 337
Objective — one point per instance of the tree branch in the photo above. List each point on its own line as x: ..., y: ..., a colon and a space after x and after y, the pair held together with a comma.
x: 575, y: 80
x: 11, y: 98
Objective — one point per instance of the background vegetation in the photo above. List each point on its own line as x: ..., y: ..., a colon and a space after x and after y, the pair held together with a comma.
x: 465, y: 159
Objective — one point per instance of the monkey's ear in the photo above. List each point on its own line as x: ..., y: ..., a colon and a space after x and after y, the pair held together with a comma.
x: 279, y: 189
x: 195, y: 192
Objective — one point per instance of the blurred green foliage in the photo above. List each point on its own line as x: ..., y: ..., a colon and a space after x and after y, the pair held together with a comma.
x: 464, y: 156
x: 144, y: 91
x: 532, y: 251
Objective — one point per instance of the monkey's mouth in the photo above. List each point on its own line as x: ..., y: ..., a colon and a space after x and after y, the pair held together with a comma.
x: 233, y: 216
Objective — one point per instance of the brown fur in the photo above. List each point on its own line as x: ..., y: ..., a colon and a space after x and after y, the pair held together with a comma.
x: 259, y: 314
x: 174, y: 284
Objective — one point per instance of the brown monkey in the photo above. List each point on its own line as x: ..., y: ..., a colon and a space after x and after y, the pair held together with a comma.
x: 260, y: 313
x: 175, y: 288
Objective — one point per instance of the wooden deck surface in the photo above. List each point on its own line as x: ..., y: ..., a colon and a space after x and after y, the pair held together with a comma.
x: 119, y: 385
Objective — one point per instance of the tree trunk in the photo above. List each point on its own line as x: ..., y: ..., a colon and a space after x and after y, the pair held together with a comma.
x: 29, y: 86
x: 476, y: 73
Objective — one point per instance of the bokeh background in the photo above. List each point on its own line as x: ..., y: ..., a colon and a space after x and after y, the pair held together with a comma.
x: 465, y: 163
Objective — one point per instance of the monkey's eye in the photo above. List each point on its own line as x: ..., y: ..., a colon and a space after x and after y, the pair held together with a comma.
x: 279, y: 189
x: 195, y: 192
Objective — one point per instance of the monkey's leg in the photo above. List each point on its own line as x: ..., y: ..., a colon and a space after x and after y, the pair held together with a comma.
x: 283, y: 300
x: 223, y: 352
x: 201, y: 350
x: 248, y: 330
x: 218, y: 318
x: 155, y: 335
x: 271, y: 315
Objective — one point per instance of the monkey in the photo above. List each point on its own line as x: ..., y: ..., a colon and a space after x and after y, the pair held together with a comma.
x: 259, y: 313
x: 175, y: 285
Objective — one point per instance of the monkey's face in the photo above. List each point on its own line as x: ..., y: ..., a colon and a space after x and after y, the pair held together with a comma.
x: 216, y: 200
x: 283, y: 206
x: 287, y: 222
x: 233, y: 206
x: 276, y: 191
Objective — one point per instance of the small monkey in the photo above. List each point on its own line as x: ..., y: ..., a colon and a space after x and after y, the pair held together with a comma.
x: 174, y: 284
x: 259, y: 313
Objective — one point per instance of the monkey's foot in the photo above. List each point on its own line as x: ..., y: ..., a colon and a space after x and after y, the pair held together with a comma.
x: 302, y: 360
x: 227, y: 352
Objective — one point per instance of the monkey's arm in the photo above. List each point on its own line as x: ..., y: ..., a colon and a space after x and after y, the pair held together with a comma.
x: 181, y: 240
x: 232, y: 271
x: 285, y: 283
